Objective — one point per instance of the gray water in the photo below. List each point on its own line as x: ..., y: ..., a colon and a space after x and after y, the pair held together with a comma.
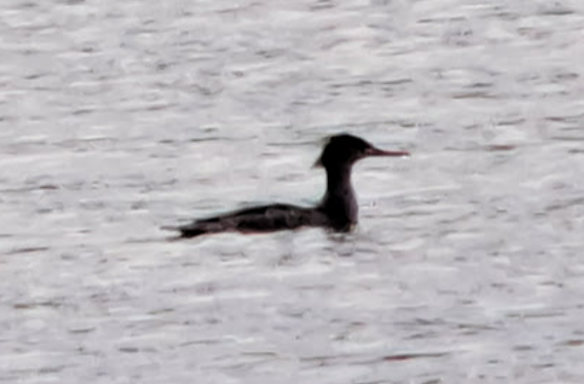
x: 119, y: 117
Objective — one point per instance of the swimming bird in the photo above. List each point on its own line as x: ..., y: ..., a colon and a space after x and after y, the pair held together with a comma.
x: 337, y: 210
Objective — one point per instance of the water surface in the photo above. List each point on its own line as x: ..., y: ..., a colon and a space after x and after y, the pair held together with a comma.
x: 120, y: 117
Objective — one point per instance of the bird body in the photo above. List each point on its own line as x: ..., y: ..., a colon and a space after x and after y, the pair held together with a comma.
x: 266, y: 218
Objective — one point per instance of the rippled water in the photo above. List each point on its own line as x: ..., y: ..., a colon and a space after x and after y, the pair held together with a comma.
x: 120, y: 117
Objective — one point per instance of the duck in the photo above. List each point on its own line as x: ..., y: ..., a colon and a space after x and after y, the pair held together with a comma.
x: 337, y: 210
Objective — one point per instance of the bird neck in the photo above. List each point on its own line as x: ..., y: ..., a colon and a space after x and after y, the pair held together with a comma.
x: 339, y: 202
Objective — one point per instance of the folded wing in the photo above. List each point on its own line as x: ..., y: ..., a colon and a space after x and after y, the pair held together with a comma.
x: 258, y: 219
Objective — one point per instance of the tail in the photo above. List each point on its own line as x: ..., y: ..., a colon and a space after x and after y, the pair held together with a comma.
x: 188, y: 231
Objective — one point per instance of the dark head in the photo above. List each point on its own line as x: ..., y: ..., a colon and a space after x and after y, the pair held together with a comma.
x: 347, y: 149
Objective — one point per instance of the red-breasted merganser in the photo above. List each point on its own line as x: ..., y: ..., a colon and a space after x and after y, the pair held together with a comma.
x: 337, y: 210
